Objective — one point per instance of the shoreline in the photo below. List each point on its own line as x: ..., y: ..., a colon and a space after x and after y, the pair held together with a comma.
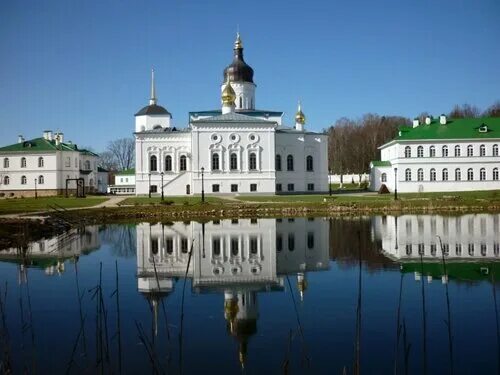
x: 20, y: 230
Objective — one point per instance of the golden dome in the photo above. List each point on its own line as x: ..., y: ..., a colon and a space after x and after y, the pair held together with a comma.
x: 300, y: 118
x: 231, y: 309
x: 228, y: 94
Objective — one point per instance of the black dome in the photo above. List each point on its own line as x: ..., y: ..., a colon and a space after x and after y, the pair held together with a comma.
x: 153, y: 109
x: 238, y: 70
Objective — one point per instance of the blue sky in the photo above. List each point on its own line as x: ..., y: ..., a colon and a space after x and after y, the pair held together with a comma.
x: 83, y: 67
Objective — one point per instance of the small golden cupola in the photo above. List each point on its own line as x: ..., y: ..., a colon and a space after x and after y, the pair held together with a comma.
x: 228, y: 97
x: 300, y: 119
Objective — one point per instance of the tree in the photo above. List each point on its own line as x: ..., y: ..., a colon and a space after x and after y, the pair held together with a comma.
x: 123, y: 152
x: 464, y: 111
x: 493, y: 110
x: 108, y: 161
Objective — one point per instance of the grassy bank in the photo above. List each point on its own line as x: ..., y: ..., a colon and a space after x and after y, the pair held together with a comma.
x: 145, y: 209
x: 26, y: 205
x: 188, y: 200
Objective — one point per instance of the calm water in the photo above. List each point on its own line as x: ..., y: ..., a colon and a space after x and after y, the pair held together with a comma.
x: 261, y: 296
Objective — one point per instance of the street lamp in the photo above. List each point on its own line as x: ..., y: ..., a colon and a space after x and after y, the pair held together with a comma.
x: 202, y: 186
x: 36, y: 192
x: 161, y: 185
x: 149, y: 190
x: 395, y: 184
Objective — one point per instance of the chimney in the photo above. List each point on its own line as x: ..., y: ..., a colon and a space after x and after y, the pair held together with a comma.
x: 20, y: 139
x: 428, y: 120
x: 416, y: 122
x: 61, y: 137
x: 49, y: 135
x: 57, y: 139
x: 442, y: 119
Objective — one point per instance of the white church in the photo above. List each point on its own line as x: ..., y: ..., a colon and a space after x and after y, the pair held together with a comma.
x: 234, y: 149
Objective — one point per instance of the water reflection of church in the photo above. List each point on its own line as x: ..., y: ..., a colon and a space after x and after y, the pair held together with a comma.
x: 464, y: 239
x: 238, y: 258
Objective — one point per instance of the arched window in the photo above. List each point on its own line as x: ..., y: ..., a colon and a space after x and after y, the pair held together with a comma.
x: 291, y: 242
x: 87, y: 165
x: 153, y: 163
x: 168, y: 163
x: 407, y: 152
x: 6, y: 180
x: 433, y: 175
x: 41, y: 180
x: 252, y: 161
x: 278, y: 162
x: 495, y: 174
x: 24, y: 180
x: 241, y: 102
x: 233, y: 161
x: 482, y: 174
x: 91, y: 181
x: 482, y: 150
x: 309, y: 163
x: 183, y: 163
x: 310, y: 240
x: 432, y: 151
x: 495, y: 150
x: 420, y: 175
x: 289, y: 163
x: 470, y: 150
x: 408, y: 174
x: 154, y: 246
x: 6, y: 163
x: 383, y: 178
x: 445, y: 174
x: 40, y: 162
x: 23, y: 162
x: 458, y: 174
x: 457, y: 150
x: 215, y: 161
x: 445, y: 151
x: 420, y: 152
x: 470, y: 174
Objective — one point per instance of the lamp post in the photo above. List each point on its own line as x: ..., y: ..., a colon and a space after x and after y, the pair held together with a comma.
x: 149, y: 190
x: 161, y: 185
x: 395, y: 184
x: 202, y: 186
x: 36, y: 192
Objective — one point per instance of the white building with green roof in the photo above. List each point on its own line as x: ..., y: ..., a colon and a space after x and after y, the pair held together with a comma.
x: 46, y: 165
x: 440, y: 155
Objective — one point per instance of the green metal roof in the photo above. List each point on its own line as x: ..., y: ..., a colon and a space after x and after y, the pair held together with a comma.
x: 380, y: 163
x: 466, y: 128
x: 126, y: 172
x: 44, y: 145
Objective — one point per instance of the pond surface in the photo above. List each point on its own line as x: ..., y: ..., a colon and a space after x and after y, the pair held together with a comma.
x: 319, y: 296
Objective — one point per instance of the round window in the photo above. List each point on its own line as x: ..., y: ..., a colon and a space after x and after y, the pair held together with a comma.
x: 214, y: 137
x: 233, y: 137
x: 252, y: 137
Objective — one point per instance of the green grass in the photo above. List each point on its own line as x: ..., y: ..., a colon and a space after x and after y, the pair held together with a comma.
x: 19, y: 205
x: 372, y: 199
x: 138, y: 201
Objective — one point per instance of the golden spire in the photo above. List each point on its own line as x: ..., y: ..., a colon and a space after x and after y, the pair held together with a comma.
x: 238, y: 44
x: 300, y: 118
x: 228, y: 95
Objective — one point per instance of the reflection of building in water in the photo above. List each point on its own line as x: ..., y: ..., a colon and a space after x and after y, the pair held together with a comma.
x: 474, y: 237
x: 50, y: 254
x: 238, y: 258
